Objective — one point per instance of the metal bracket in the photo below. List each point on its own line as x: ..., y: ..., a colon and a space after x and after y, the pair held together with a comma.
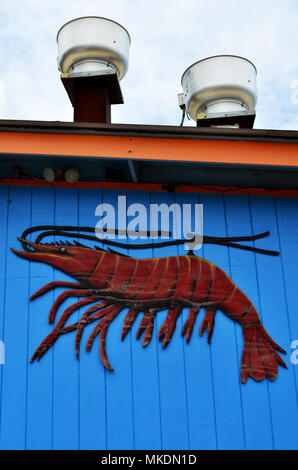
x: 133, y: 170
x: 244, y: 119
x: 72, y: 80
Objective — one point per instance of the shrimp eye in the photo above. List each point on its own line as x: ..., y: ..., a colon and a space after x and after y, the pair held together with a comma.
x: 62, y: 250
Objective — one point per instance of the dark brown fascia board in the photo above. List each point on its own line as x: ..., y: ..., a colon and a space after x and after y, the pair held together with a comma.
x: 143, y: 130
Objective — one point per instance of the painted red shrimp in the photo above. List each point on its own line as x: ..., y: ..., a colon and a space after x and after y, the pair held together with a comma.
x: 113, y: 282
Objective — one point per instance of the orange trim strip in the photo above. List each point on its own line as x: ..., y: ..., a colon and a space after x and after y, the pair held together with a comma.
x: 146, y: 148
x: 151, y: 187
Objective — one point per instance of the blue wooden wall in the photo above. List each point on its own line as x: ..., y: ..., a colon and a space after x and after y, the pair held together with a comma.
x: 184, y: 397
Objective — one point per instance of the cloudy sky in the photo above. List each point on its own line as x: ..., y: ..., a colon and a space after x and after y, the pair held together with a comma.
x: 167, y: 36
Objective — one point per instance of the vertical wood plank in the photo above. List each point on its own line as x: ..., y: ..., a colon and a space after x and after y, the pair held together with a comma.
x: 65, y: 380
x: 14, y: 385
x: 145, y: 378
x: 174, y: 416
x: 40, y: 374
x: 283, y: 399
x: 255, y: 397
x: 120, y: 430
x: 287, y: 225
x: 4, y: 203
x: 92, y: 375
x: 198, y: 367
x: 224, y: 353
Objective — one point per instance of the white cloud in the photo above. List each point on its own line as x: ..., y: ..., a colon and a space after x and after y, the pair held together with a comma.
x: 167, y: 37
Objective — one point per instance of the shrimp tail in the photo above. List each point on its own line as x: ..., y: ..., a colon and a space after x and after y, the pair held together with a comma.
x: 259, y: 356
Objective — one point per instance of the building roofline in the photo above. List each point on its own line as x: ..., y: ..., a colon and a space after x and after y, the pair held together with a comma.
x: 153, y: 154
x: 144, y: 130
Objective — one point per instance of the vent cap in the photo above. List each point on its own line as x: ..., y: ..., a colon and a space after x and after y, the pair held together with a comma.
x: 93, y: 44
x: 218, y: 85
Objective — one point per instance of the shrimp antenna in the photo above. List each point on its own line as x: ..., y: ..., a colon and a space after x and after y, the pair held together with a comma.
x: 74, y: 232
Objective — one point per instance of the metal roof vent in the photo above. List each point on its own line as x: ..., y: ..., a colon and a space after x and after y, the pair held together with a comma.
x: 220, y: 91
x: 93, y: 57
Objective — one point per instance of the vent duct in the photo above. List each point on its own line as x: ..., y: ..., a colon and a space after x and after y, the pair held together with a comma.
x: 220, y: 91
x: 92, y: 58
